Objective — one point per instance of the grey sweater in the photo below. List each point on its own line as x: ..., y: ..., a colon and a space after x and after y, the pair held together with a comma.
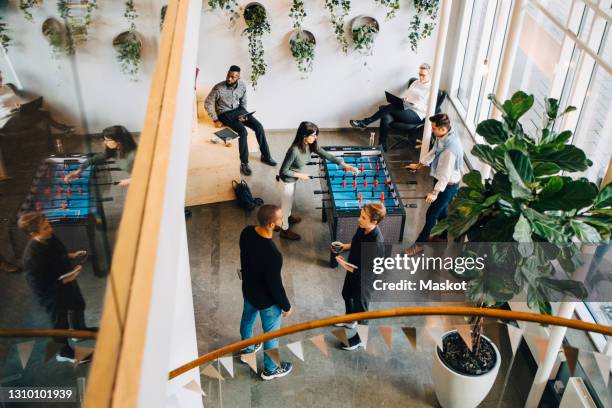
x: 295, y: 160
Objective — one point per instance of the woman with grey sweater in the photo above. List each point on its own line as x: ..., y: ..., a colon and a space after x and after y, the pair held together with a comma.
x: 303, y: 146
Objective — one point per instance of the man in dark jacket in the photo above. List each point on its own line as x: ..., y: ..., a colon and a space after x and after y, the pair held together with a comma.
x: 262, y: 285
x: 52, y: 278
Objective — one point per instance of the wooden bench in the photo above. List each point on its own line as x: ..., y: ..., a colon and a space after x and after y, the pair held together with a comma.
x: 212, y: 167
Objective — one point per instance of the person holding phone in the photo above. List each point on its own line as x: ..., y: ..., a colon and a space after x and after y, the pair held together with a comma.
x: 367, y: 244
x: 52, y: 278
x: 299, y: 153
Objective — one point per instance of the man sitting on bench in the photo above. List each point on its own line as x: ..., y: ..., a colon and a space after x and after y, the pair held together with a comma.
x: 415, y: 106
x: 226, y: 105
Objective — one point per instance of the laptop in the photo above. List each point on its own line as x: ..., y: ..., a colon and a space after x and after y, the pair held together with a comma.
x: 245, y: 115
x: 31, y: 106
x: 226, y: 135
x: 395, y: 100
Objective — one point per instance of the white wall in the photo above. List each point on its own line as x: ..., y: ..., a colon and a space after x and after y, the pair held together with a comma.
x: 339, y: 88
x: 108, y: 96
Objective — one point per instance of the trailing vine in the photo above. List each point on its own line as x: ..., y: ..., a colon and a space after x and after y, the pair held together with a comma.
x: 257, y: 25
x: 297, y: 14
x: 392, y: 7
x: 302, y: 44
x: 230, y: 7
x: 338, y: 10
x: 5, y: 39
x: 128, y: 45
x: 26, y: 7
x: 162, y: 16
x: 77, y: 26
x: 130, y: 14
x: 423, y: 22
x: 364, y: 36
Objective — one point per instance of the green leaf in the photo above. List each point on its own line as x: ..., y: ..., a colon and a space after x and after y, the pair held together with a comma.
x: 518, y: 105
x: 545, y: 169
x: 566, y: 286
x: 519, y: 189
x: 486, y: 154
x: 585, y: 233
x: 490, y: 200
x: 552, y: 108
x: 522, y: 230
x: 546, y: 226
x: 569, y: 158
x: 439, y: 228
x: 492, y: 130
x: 552, y: 186
x: 604, y: 198
x: 473, y: 179
x: 522, y: 165
x: 573, y: 195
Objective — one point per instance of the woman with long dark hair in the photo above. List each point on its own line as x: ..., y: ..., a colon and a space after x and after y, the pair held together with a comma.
x: 120, y: 146
x: 303, y: 146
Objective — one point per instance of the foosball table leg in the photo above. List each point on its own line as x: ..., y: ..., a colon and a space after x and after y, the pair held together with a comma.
x: 323, y: 214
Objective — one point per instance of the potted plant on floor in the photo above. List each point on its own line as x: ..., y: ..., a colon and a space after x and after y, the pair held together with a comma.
x: 423, y: 22
x: 257, y: 23
x: 128, y: 44
x: 365, y: 30
x: 338, y: 10
x: 528, y: 203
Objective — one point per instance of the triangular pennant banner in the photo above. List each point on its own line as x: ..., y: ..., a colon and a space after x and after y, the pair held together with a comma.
x: 25, y: 351
x: 319, y: 341
x: 341, y: 335
x: 228, y: 363
x: 362, y: 331
x: 195, y: 387
x: 386, y: 333
x: 515, y: 335
x: 436, y: 334
x: 465, y: 331
x: 251, y: 360
x: 52, y: 348
x: 410, y: 333
x: 571, y: 356
x: 274, y: 354
x: 603, y: 362
x: 541, y: 347
x: 296, y: 348
x: 212, y: 372
x: 81, y: 353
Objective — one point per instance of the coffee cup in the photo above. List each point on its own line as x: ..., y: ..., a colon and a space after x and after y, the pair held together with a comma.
x: 336, y: 247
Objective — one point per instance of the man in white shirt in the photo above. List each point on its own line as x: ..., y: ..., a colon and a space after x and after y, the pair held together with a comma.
x: 445, y: 161
x: 415, y: 107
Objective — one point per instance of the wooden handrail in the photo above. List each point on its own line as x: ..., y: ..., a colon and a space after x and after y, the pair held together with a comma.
x: 398, y: 312
x: 76, y: 334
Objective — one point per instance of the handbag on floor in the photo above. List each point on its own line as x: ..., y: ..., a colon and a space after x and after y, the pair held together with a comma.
x: 244, y: 197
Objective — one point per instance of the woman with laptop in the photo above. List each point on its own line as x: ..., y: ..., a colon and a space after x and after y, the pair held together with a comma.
x: 409, y: 109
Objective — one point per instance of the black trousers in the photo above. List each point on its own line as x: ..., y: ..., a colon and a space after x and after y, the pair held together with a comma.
x: 389, y: 114
x: 354, y: 302
x: 230, y: 118
x: 66, y: 310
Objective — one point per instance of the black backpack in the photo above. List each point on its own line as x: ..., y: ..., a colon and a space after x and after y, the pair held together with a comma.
x: 244, y: 198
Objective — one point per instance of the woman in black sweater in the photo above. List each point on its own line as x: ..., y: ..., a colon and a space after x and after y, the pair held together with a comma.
x: 369, y: 242
x: 45, y: 262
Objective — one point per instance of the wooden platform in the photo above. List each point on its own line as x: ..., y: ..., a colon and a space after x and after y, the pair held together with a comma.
x: 212, y: 167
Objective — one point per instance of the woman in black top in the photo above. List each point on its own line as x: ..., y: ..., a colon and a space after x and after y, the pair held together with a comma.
x: 45, y: 261
x: 120, y: 146
x: 369, y: 234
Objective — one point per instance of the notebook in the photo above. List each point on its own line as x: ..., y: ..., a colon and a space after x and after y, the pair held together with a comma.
x: 226, y: 135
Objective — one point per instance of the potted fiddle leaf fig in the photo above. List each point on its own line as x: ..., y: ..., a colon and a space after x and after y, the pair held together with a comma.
x: 338, y: 10
x: 392, y: 7
x: 423, y: 22
x: 531, y: 219
x: 302, y: 44
x: 257, y: 23
x: 229, y: 7
x: 365, y: 30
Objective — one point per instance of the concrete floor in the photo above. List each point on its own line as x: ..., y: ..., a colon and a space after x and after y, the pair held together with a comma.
x: 378, y: 377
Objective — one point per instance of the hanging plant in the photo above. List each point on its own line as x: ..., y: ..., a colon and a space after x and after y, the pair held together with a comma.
x: 302, y: 44
x: 338, y: 10
x: 56, y: 34
x: 423, y: 22
x: 5, y: 40
x: 364, y: 29
x: 26, y: 6
x: 78, y: 17
x: 162, y: 16
x: 297, y: 14
x: 257, y: 25
x: 229, y: 7
x: 128, y: 44
x: 392, y: 7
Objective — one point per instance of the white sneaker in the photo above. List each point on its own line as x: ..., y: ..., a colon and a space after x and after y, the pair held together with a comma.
x: 350, y: 325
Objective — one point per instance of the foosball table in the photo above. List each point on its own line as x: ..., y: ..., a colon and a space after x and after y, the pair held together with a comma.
x: 344, y: 194
x: 74, y: 209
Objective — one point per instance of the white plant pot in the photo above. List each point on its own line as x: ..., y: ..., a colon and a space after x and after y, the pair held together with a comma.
x: 455, y: 390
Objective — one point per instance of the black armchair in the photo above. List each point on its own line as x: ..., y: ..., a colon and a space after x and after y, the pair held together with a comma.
x: 408, y: 132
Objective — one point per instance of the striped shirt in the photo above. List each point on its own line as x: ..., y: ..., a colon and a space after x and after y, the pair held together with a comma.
x: 223, y: 98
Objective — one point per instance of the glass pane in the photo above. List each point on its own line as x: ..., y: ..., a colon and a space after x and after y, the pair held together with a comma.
x: 470, y: 62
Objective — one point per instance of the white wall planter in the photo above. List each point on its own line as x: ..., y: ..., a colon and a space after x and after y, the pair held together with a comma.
x: 456, y: 390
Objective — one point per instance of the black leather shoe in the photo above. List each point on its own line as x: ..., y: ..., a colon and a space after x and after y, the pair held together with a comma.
x: 359, y: 124
x: 269, y: 161
x: 245, y: 169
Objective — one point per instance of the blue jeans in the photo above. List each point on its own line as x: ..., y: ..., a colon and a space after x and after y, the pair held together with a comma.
x: 270, y: 321
x: 438, y: 210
